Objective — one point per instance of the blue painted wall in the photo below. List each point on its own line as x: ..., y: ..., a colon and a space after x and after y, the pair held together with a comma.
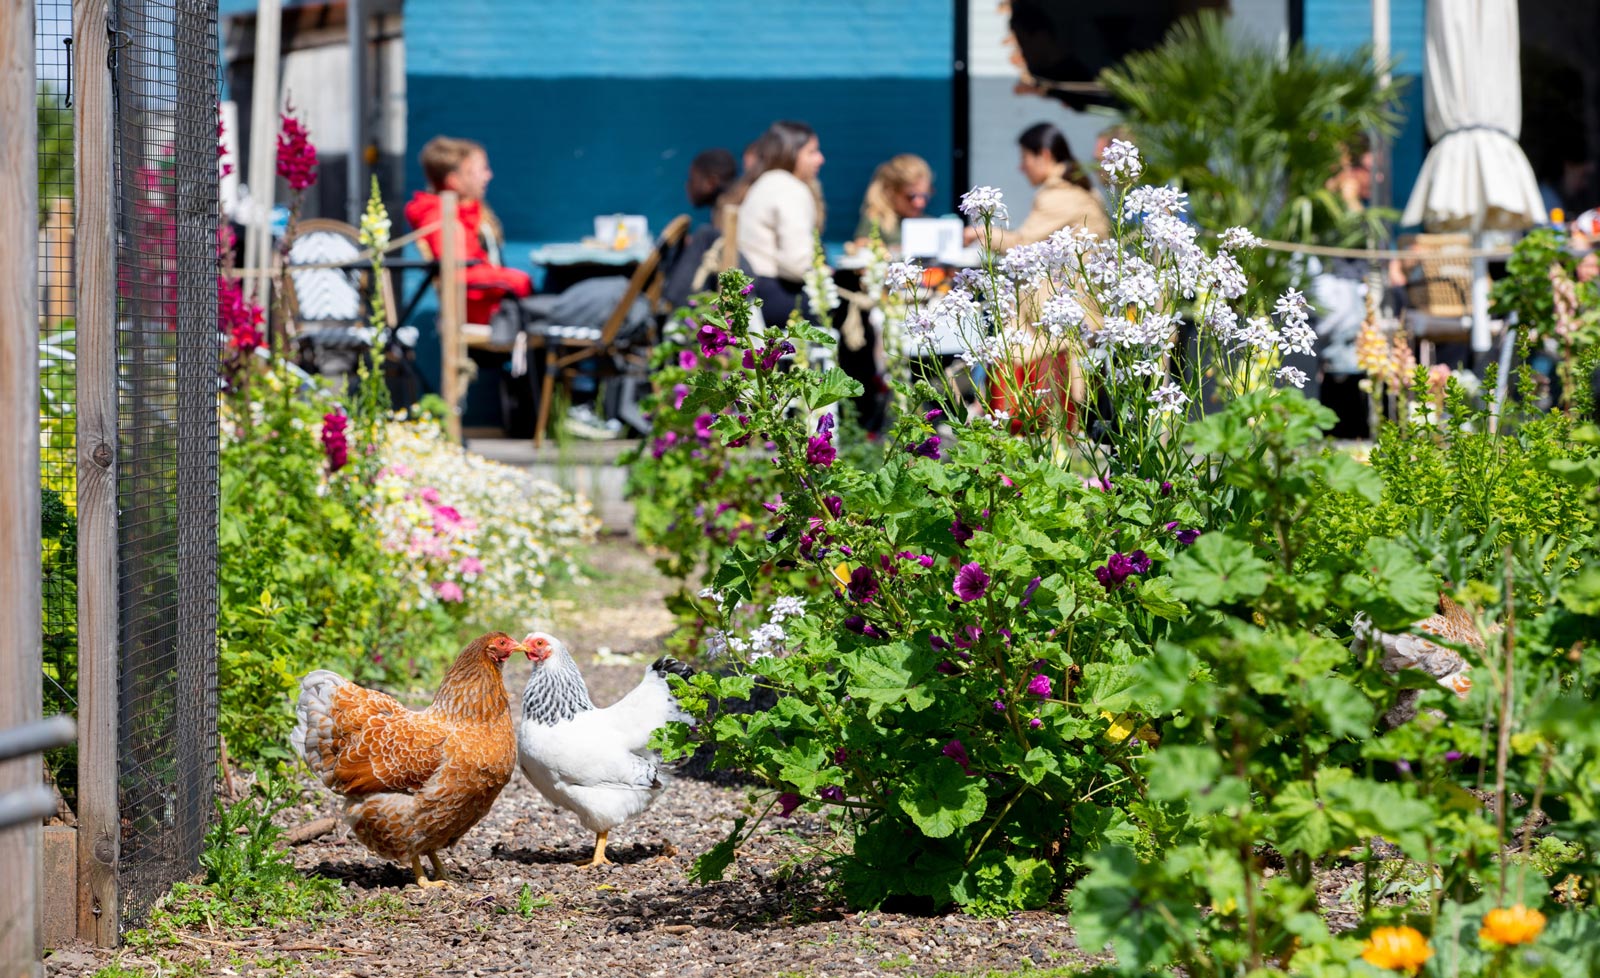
x: 1346, y: 25
x: 594, y: 107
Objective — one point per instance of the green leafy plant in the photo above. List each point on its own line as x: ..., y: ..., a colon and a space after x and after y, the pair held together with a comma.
x: 1552, y: 307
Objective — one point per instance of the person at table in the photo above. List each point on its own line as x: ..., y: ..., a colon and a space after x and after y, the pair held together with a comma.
x: 462, y: 165
x: 1064, y: 197
x: 779, y: 216
x: 692, y: 266
x: 900, y: 188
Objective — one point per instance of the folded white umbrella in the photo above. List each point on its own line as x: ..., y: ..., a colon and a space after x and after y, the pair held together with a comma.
x: 1476, y: 177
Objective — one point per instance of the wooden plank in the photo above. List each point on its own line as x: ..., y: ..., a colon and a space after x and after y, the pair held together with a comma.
x: 60, y: 884
x: 263, y: 175
x: 452, y: 311
x: 21, y: 668
x: 99, y: 821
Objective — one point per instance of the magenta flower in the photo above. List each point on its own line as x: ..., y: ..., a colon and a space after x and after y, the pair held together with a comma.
x: 835, y: 505
x: 938, y: 643
x: 971, y: 582
x: 927, y: 448
x: 1039, y: 685
x: 840, y: 755
x: 861, y: 626
x: 448, y: 591
x: 1035, y: 723
x: 749, y: 288
x: 863, y: 586
x: 1027, y: 594
x: 999, y: 706
x: 933, y: 415
x: 787, y: 803
x: 831, y: 793
x: 923, y: 559
x: 687, y: 360
x: 702, y: 427
x: 957, y: 752
x: 820, y: 450
x: 679, y: 393
x: 663, y: 444
x: 1119, y: 567
x: 1139, y: 561
x: 713, y: 340
x: 1103, y: 484
x: 768, y: 357
x: 967, y: 636
x: 961, y: 531
x: 334, y: 443
x: 297, y: 158
x: 1166, y: 488
x: 1187, y: 537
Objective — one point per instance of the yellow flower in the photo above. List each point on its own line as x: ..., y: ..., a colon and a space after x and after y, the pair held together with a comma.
x: 1516, y: 925
x: 1400, y: 948
x: 841, y: 574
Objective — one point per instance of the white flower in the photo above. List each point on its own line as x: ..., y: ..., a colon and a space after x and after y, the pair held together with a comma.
x: 1258, y: 332
x: 1061, y: 312
x: 716, y: 644
x: 999, y: 418
x: 1121, y: 162
x: 1297, y: 337
x: 984, y: 204
x: 1148, y: 201
x: 1226, y: 276
x: 768, y: 638
x: 1293, y: 308
x: 1168, y: 399
x: 920, y: 328
x: 957, y: 310
x: 1223, y: 321
x: 787, y: 606
x: 1239, y: 239
x: 1292, y: 375
x: 1145, y: 368
x: 822, y: 293
x: 1170, y: 234
x: 375, y: 224
x: 902, y: 276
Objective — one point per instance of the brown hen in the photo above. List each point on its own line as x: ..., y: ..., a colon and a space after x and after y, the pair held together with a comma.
x: 414, y: 782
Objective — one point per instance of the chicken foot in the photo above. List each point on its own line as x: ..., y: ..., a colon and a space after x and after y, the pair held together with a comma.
x: 599, y: 853
x: 422, y: 876
x: 439, y: 872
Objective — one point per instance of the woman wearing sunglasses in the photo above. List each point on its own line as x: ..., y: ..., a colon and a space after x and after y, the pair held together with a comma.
x: 900, y: 188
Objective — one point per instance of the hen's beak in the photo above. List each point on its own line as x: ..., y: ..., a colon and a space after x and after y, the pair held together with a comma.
x: 537, y: 648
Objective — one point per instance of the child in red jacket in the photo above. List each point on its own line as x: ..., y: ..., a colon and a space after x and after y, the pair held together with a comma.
x: 462, y: 165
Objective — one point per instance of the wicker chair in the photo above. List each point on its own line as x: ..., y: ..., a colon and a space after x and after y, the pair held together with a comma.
x: 326, y: 314
x: 1439, y: 296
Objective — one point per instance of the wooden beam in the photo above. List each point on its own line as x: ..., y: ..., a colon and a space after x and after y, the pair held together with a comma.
x: 263, y: 175
x: 21, y: 665
x: 99, y: 816
x: 452, y: 311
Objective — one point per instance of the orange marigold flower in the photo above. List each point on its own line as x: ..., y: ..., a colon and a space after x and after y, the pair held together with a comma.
x: 1514, y: 925
x: 1400, y: 948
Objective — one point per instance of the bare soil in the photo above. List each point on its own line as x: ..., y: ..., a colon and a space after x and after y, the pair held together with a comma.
x: 518, y: 905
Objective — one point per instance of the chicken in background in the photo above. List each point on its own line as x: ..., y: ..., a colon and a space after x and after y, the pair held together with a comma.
x: 1451, y: 624
x: 414, y: 782
x: 596, y: 764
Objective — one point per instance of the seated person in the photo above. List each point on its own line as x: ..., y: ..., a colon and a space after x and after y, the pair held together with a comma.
x: 780, y: 215
x: 462, y: 165
x: 1064, y: 197
x: 900, y: 188
x: 691, y: 268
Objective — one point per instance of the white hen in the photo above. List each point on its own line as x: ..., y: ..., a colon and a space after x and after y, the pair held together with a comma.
x: 596, y: 764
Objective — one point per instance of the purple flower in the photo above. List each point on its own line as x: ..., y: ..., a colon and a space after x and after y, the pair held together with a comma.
x: 835, y: 505
x: 1115, y: 571
x: 749, y: 288
x: 787, y: 803
x: 774, y: 506
x: 1103, y: 483
x: 824, y: 424
x: 1187, y: 537
x: 968, y: 636
x: 927, y: 448
x: 1027, y: 593
x: 938, y: 643
x: 702, y: 427
x: 961, y: 531
x: 863, y: 585
x: 861, y: 626
x: 1039, y: 685
x: 663, y: 444
x: 971, y: 582
x: 1035, y: 723
x: 831, y: 793
x: 840, y: 755
x: 679, y: 393
x: 1166, y: 488
x: 713, y: 340
x: 945, y: 668
x: 768, y: 357
x: 999, y: 706
x: 1404, y: 766
x: 933, y: 415
x: 687, y: 360
x: 334, y: 442
x: 1139, y: 561
x: 957, y: 752
x: 1452, y: 755
x: 820, y: 451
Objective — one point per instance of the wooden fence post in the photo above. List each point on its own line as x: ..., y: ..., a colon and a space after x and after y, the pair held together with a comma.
x: 452, y: 311
x: 21, y: 665
x: 99, y: 821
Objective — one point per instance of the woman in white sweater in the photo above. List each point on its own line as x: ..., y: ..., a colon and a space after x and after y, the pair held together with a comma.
x: 779, y: 216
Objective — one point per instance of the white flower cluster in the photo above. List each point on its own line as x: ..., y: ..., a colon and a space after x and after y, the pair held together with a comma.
x: 474, y: 530
x: 822, y: 294
x: 984, y: 204
x: 1121, y: 162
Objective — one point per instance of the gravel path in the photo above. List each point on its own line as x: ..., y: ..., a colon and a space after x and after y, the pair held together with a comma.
x: 519, y: 906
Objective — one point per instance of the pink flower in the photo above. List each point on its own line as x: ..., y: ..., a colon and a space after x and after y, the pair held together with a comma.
x: 449, y: 591
x: 470, y: 565
x: 297, y: 158
x: 680, y: 392
x: 430, y: 496
x: 971, y: 582
x: 1039, y: 685
x: 448, y: 515
x: 787, y: 803
x: 687, y: 359
x: 820, y: 450
x: 334, y: 443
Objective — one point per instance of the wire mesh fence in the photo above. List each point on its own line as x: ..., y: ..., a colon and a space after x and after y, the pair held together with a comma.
x: 165, y: 85
x: 57, y: 374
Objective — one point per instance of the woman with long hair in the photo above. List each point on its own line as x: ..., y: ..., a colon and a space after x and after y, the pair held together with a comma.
x: 900, y: 188
x: 780, y: 214
x: 1064, y: 197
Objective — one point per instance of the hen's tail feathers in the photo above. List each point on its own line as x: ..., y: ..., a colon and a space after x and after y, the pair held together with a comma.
x: 666, y: 664
x: 312, y: 736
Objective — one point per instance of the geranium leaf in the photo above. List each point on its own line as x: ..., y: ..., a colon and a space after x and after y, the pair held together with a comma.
x: 1218, y: 570
x: 940, y: 798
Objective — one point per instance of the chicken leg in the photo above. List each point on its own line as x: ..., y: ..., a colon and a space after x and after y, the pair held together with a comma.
x: 422, y: 877
x: 439, y: 872
x: 599, y: 853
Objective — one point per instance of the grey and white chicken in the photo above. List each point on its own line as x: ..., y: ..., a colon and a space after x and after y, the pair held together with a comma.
x: 595, y: 763
x: 1410, y: 651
